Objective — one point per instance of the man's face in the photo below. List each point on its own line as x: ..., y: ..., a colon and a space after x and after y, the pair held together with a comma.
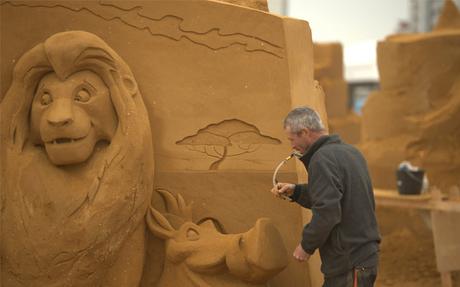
x: 70, y: 116
x: 300, y: 141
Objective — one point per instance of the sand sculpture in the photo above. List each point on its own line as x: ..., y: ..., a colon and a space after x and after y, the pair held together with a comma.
x: 76, y: 171
x: 196, y: 64
x: 255, y: 4
x: 328, y: 59
x: 415, y: 115
x: 449, y: 18
x: 199, y: 254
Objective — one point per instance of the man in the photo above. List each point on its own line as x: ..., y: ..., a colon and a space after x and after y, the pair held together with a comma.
x: 339, y: 193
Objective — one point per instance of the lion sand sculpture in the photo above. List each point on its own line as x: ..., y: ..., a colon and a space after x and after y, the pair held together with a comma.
x: 77, y: 166
x: 199, y: 254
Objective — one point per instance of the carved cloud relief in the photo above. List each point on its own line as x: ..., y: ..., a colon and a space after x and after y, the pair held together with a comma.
x: 168, y: 25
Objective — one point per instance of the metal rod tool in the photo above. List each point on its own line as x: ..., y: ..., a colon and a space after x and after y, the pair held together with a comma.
x: 275, y: 173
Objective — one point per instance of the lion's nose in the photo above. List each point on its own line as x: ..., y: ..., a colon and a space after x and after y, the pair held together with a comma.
x: 60, y: 113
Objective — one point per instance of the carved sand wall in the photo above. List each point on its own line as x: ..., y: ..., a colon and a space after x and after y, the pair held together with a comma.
x: 196, y: 64
x: 415, y: 115
x: 328, y: 59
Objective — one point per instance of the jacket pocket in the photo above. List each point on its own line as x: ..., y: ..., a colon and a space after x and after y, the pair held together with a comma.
x: 337, y: 241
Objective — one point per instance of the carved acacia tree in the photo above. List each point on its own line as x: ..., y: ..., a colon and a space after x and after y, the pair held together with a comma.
x: 227, y: 138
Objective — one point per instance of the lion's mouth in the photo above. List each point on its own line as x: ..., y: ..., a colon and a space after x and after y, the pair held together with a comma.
x: 70, y: 148
x: 65, y: 140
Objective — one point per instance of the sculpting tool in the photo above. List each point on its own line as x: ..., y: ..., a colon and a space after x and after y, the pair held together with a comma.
x: 275, y: 173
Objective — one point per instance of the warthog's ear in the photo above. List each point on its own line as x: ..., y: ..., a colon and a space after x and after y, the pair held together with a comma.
x: 159, y: 225
x: 176, y: 205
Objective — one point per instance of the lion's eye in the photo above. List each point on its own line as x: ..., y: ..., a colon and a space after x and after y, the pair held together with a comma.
x: 46, y: 99
x: 82, y: 96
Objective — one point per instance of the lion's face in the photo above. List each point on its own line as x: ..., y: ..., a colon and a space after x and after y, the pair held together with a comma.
x: 70, y: 116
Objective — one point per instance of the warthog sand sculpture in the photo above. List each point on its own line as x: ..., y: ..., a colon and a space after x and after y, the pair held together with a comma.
x: 198, y: 254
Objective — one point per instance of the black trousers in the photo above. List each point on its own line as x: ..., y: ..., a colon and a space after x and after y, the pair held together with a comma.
x: 357, y: 277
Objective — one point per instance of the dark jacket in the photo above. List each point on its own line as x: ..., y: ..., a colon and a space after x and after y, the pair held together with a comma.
x: 339, y: 193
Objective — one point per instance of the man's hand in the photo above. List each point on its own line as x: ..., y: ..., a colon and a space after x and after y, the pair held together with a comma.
x: 283, y: 188
x: 300, y: 254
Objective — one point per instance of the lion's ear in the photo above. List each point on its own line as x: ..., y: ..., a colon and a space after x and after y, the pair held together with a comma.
x: 130, y: 84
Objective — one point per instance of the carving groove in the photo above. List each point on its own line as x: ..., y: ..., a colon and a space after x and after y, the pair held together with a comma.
x: 163, y: 26
x: 228, y: 138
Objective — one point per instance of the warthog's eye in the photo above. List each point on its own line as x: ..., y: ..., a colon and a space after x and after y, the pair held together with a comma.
x: 192, y: 234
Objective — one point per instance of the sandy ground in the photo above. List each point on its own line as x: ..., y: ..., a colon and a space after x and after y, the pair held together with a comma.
x: 407, y: 250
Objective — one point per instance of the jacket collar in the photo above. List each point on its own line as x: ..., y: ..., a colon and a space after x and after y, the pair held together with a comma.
x: 323, y: 140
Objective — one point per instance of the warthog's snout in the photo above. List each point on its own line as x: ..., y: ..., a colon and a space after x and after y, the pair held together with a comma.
x: 259, y: 254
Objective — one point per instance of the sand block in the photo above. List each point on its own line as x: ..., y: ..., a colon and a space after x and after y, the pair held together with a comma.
x: 328, y: 59
x: 348, y: 127
x: 415, y: 115
x: 216, y: 80
x: 329, y: 72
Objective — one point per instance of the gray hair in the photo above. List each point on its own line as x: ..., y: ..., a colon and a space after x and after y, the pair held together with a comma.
x: 303, y: 117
